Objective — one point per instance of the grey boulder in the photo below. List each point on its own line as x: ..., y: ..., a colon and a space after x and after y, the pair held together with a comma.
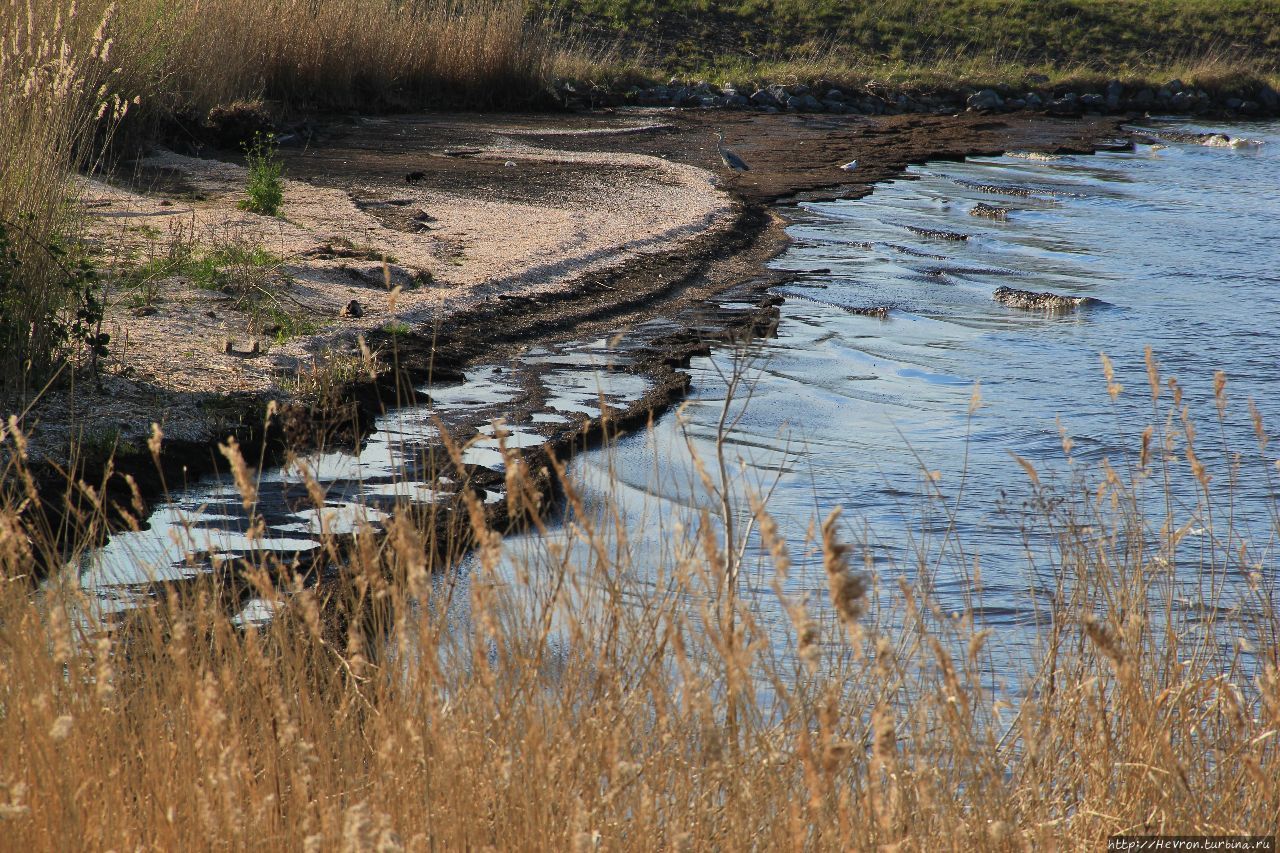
x: 985, y: 99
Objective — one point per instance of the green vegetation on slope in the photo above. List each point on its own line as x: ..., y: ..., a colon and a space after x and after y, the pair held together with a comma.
x: 1100, y: 35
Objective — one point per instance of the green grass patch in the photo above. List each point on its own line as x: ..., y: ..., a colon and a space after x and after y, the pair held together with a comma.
x: 265, y: 187
x: 245, y: 271
x: 226, y: 267
x: 144, y: 280
x: 231, y: 266
x: 912, y: 39
x: 280, y: 325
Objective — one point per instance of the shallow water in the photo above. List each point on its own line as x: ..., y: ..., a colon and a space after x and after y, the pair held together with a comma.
x: 208, y: 520
x: 1179, y: 246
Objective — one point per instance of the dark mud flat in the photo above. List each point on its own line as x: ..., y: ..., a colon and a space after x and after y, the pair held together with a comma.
x: 793, y: 158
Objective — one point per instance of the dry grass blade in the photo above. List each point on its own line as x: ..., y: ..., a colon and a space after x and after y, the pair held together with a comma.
x: 587, y: 706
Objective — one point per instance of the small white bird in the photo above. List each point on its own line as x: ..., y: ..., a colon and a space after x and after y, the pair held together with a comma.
x: 850, y: 166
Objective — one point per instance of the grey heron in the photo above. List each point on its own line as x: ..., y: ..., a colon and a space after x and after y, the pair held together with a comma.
x: 731, y: 161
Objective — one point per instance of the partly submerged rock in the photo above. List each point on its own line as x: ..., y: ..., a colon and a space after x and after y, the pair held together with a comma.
x: 936, y: 233
x: 1222, y: 140
x: 989, y: 211
x: 1212, y: 140
x: 1033, y: 155
x: 1043, y: 300
x: 1000, y: 189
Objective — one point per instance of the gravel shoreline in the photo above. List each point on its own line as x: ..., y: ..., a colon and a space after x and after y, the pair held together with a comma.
x: 1174, y: 97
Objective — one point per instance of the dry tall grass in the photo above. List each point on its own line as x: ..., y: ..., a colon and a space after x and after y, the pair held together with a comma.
x: 584, y: 701
x: 186, y: 57
x: 55, y: 65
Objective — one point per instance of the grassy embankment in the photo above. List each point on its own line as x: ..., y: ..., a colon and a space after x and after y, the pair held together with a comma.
x: 582, y: 701
x: 918, y: 44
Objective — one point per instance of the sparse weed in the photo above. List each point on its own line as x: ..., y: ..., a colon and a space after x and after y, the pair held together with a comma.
x: 164, y: 258
x: 251, y: 274
x: 235, y: 267
x: 265, y: 186
x: 281, y: 325
x: 343, y: 247
x: 324, y: 381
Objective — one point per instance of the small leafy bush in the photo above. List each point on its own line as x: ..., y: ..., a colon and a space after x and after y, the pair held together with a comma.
x: 35, y: 336
x: 265, y: 187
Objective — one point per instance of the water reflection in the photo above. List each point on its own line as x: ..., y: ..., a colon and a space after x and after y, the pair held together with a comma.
x: 1176, y: 244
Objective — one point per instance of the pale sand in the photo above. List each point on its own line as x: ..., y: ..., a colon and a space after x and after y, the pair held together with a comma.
x: 473, y: 249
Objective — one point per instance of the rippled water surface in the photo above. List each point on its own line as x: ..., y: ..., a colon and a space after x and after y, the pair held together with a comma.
x: 360, y: 486
x: 1179, y: 246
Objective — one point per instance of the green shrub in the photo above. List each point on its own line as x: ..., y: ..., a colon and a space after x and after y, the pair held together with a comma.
x: 265, y: 187
x: 66, y: 322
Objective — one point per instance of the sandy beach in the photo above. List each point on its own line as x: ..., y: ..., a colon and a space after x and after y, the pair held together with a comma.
x: 441, y: 238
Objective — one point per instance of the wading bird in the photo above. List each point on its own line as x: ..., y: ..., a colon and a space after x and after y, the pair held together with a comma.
x: 731, y: 161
